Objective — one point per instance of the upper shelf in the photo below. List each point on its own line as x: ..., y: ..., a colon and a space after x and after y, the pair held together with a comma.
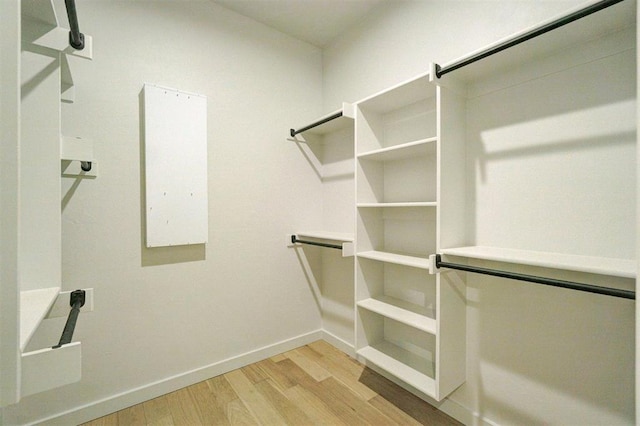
x: 588, y: 28
x: 406, y: 93
x: 328, y: 123
x: 596, y: 265
x: 326, y: 235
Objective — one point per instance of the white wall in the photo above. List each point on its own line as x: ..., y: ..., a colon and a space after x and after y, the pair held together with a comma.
x: 399, y: 40
x: 534, y: 355
x: 161, y: 313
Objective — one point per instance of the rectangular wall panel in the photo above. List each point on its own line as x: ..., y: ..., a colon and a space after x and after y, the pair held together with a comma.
x: 175, y: 124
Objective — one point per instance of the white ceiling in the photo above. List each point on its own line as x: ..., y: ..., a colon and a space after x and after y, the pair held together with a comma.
x: 315, y: 21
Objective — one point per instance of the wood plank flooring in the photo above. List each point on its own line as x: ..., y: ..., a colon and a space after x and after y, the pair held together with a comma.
x: 313, y: 385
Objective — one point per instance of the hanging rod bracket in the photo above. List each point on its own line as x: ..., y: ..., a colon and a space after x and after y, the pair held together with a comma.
x: 76, y: 300
x: 625, y: 294
x: 77, y: 296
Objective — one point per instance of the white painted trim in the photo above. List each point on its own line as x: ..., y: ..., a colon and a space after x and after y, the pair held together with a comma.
x: 339, y: 343
x: 149, y: 391
x: 138, y: 395
x: 463, y: 414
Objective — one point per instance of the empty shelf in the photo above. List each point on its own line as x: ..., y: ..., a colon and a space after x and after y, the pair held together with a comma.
x: 392, y: 308
x: 400, y: 259
x: 403, y: 204
x: 325, y: 235
x: 405, y: 93
x: 328, y: 123
x: 596, y: 265
x: 418, y: 148
x: 394, y: 364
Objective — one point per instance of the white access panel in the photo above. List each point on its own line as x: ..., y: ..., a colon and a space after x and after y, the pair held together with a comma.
x: 175, y: 124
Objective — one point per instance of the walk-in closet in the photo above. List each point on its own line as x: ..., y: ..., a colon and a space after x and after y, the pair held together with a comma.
x: 318, y: 212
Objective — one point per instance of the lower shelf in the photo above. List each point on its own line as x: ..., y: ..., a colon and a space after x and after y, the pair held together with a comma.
x: 49, y: 368
x: 406, y: 366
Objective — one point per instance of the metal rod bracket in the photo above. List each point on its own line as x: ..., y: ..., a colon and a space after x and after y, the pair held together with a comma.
x: 76, y: 300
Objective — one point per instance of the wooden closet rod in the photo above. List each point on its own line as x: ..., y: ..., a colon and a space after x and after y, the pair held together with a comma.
x: 440, y: 71
x: 294, y: 240
x: 294, y: 132
x: 625, y: 294
x: 76, y: 301
x: 76, y: 38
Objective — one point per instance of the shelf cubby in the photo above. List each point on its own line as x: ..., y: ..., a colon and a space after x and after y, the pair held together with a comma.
x: 406, y: 294
x: 405, y: 173
x: 403, y: 230
x: 405, y: 352
x: 400, y: 115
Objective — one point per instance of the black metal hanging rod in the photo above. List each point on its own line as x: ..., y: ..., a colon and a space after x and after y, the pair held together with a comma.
x: 440, y: 71
x: 625, y: 294
x: 294, y: 240
x: 76, y: 38
x: 294, y: 132
x: 76, y: 301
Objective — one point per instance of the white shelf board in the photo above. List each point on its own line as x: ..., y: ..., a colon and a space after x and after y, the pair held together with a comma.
x: 394, y: 364
x: 400, y: 259
x: 595, y: 265
x: 34, y: 306
x: 396, y: 309
x: 405, y: 93
x: 330, y: 126
x: 403, y: 204
x: 419, y: 148
x: 327, y: 235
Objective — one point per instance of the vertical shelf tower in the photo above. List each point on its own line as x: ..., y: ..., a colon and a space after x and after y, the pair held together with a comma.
x: 410, y: 323
x: 41, y: 80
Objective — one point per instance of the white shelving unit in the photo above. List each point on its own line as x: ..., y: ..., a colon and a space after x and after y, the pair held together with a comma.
x: 410, y: 323
x: 43, y: 59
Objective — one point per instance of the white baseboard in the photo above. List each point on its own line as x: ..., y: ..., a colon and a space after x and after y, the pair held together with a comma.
x: 339, y: 343
x: 144, y: 393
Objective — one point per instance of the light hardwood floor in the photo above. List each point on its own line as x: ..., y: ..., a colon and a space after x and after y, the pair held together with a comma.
x: 314, y: 384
